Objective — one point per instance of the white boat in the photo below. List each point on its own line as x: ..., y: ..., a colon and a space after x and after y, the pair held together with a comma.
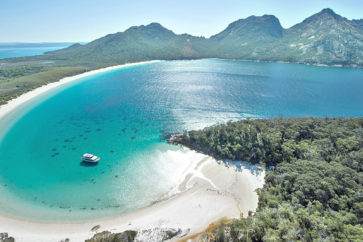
x: 89, y: 158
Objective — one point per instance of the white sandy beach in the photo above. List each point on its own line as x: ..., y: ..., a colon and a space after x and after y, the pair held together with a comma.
x: 22, y: 99
x: 207, y: 192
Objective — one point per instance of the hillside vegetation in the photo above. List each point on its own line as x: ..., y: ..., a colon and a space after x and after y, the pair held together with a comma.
x: 313, y: 191
x: 324, y: 38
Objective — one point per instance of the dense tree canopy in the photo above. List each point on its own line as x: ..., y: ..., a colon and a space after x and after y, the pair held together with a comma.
x: 314, y: 189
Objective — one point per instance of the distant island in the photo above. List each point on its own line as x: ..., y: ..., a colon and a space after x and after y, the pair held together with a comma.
x: 325, y: 38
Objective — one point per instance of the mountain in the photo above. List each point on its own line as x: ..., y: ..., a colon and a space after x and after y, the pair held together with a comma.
x: 250, y: 38
x: 358, y: 23
x: 323, y: 38
x: 252, y: 29
x: 139, y: 43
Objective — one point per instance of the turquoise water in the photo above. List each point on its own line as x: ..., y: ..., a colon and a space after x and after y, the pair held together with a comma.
x: 122, y: 116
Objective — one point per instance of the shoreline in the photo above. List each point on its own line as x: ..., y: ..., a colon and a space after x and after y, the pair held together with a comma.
x: 11, y: 105
x: 298, y: 63
x: 190, y: 209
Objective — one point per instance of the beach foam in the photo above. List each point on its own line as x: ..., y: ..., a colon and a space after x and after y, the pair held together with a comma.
x: 232, y: 192
x: 188, y: 181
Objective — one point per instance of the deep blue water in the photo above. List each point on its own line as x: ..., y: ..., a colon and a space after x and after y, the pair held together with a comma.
x: 10, y: 51
x: 120, y: 116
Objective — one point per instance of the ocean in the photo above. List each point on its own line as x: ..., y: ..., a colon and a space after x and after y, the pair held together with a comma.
x: 10, y: 50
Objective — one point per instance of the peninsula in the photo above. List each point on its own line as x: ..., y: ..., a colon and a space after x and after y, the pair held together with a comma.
x: 269, y: 179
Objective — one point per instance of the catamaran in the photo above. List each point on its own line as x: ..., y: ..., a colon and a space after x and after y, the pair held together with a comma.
x: 89, y: 158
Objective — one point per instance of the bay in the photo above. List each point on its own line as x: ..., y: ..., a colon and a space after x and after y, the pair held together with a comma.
x: 124, y: 115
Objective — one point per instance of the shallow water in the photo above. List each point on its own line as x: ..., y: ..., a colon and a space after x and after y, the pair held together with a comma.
x: 121, y: 115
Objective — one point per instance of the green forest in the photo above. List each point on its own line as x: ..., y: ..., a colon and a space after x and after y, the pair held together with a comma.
x: 253, y: 38
x: 313, y: 187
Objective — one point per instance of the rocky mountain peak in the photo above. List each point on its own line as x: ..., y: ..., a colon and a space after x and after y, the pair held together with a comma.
x: 253, y: 26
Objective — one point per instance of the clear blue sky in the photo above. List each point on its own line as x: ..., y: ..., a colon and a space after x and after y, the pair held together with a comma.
x: 86, y: 20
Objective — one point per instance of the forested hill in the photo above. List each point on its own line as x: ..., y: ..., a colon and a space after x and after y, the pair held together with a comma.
x: 324, y: 38
x: 313, y: 193
x: 138, y: 43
